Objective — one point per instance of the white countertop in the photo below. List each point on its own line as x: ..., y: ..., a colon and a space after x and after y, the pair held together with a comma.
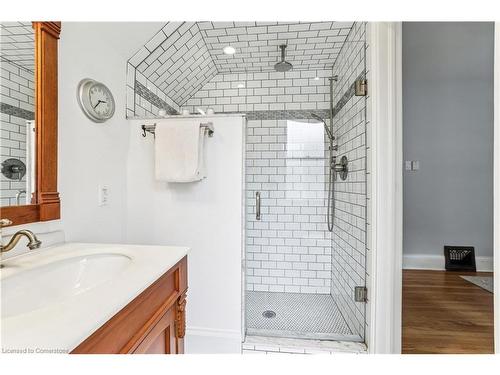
x: 62, y: 325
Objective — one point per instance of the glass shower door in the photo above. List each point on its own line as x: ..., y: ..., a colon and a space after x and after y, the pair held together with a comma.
x: 288, y: 250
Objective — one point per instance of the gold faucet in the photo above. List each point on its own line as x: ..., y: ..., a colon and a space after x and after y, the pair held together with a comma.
x: 33, y: 242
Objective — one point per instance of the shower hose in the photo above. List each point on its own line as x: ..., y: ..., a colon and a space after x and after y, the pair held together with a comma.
x: 331, y: 197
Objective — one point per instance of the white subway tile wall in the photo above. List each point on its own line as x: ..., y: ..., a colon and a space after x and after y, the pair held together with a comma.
x: 144, y: 98
x: 17, y: 105
x: 264, y: 91
x: 369, y: 246
x: 290, y: 248
x: 176, y: 60
x: 179, y: 59
x: 310, y: 45
x: 17, y: 40
x: 349, y: 234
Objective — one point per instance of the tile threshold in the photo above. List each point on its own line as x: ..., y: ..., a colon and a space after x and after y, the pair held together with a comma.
x: 303, y: 336
x: 265, y: 344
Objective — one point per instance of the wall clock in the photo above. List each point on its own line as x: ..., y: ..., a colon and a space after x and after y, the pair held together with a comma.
x: 95, y: 100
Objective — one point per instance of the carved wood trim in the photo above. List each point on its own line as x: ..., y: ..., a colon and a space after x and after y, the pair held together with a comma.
x: 46, y: 202
x: 180, y: 317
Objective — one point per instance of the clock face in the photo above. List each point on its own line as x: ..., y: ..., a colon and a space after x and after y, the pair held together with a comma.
x: 96, y: 100
x: 101, y: 100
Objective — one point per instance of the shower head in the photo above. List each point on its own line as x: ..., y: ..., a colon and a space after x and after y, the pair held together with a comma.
x: 331, y: 137
x: 282, y: 66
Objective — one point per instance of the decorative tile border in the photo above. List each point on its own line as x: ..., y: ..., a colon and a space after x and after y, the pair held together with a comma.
x: 153, y: 98
x: 16, y: 111
x: 266, y: 115
x: 287, y: 114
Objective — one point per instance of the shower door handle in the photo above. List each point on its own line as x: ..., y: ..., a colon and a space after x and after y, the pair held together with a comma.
x: 257, y: 205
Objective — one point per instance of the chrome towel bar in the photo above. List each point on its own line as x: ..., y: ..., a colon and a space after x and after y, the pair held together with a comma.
x: 208, y: 126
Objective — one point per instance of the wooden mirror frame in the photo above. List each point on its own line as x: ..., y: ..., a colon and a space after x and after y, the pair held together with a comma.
x: 45, y: 203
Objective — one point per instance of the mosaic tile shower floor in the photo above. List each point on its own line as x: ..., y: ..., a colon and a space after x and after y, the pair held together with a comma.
x: 311, y: 316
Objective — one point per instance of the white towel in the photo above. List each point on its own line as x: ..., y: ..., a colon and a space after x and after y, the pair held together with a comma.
x: 179, y: 151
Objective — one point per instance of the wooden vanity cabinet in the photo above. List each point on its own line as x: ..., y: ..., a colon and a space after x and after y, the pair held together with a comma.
x: 161, y: 339
x: 153, y: 323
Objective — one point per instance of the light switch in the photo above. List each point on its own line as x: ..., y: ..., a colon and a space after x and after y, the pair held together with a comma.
x: 408, y: 165
x: 103, y: 195
x: 415, y: 165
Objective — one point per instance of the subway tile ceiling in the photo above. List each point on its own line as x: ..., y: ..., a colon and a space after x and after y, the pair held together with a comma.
x: 17, y: 44
x: 183, y: 56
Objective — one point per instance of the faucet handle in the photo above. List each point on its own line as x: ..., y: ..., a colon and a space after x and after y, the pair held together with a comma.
x: 5, y: 223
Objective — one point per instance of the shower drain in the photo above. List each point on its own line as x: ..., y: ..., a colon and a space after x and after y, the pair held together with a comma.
x: 268, y: 314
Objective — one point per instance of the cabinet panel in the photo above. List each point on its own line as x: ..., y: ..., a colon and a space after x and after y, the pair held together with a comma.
x: 161, y: 339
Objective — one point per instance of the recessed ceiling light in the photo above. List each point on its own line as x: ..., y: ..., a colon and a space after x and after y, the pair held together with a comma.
x: 316, y: 78
x: 241, y: 85
x: 229, y: 50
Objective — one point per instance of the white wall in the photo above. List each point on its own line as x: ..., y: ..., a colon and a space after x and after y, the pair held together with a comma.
x: 91, y: 154
x: 448, y: 127
x: 207, y: 216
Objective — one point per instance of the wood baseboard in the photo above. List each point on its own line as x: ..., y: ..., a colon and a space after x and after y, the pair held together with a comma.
x: 436, y: 262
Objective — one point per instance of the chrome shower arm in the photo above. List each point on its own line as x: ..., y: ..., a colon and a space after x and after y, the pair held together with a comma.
x: 328, y: 131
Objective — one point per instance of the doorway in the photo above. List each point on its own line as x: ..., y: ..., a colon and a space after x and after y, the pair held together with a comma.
x: 448, y: 109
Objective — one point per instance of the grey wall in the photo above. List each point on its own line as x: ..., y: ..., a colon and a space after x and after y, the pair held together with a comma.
x: 448, y: 127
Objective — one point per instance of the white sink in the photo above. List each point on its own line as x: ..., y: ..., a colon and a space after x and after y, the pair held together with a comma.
x: 35, y: 288
x: 58, y: 296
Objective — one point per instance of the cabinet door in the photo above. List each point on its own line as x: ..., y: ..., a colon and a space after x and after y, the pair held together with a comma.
x: 161, y: 339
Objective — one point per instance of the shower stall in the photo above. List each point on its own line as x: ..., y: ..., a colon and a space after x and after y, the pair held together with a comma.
x: 305, y: 231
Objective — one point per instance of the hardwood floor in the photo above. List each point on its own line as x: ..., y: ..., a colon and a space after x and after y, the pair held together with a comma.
x: 442, y: 313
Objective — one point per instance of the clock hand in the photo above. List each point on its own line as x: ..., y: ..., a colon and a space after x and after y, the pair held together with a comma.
x: 98, y: 102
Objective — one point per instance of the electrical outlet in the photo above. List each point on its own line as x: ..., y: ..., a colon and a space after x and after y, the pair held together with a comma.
x: 103, y: 195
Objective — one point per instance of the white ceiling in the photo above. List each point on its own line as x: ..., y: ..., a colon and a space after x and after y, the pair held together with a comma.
x: 17, y: 44
x: 183, y: 56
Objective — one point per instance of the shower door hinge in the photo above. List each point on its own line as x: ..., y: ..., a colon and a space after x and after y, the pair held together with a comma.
x: 361, y: 87
x: 360, y: 294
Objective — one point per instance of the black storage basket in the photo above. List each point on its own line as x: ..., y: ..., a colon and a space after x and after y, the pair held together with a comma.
x: 460, y: 258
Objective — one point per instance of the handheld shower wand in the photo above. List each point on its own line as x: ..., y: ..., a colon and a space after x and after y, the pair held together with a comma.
x: 331, y: 173
x: 332, y: 167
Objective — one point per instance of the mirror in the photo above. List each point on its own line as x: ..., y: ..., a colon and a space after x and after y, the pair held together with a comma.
x: 28, y: 140
x: 17, y: 111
